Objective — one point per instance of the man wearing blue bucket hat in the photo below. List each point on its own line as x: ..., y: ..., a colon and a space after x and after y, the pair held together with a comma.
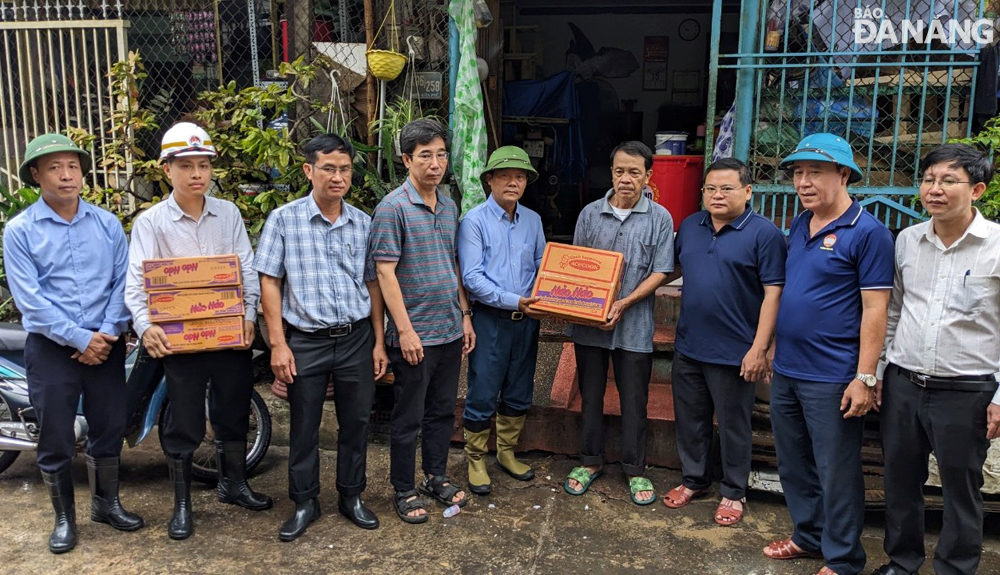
x: 831, y: 323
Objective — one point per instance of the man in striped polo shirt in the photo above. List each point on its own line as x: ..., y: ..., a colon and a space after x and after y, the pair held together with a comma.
x: 413, y: 242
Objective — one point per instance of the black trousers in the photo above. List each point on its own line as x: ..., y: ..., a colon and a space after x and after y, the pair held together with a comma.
x: 230, y: 373
x: 952, y: 424
x: 348, y: 360
x: 700, y: 390
x: 55, y: 384
x: 632, y: 373
x: 425, y: 401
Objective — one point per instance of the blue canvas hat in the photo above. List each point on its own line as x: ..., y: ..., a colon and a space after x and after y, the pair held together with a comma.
x: 825, y: 147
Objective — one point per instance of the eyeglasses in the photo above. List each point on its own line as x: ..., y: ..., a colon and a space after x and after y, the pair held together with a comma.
x: 426, y: 157
x: 943, y: 184
x: 331, y: 170
x: 726, y: 190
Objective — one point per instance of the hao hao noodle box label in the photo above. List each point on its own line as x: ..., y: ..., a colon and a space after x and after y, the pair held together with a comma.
x: 193, y: 272
x: 204, y: 334
x: 578, y: 284
x: 198, y: 303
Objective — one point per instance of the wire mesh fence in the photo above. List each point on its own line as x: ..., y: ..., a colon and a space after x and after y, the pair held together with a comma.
x: 891, y: 100
x: 190, y: 46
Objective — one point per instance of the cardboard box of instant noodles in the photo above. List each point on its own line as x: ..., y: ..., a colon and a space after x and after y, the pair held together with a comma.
x: 192, y: 335
x: 192, y: 272
x: 197, y: 303
x: 578, y: 284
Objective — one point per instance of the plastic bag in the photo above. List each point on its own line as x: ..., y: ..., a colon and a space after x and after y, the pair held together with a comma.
x: 483, y: 15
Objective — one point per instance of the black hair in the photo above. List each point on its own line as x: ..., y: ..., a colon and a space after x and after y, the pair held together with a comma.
x: 730, y: 164
x: 419, y: 133
x: 634, y: 148
x: 325, y: 144
x: 976, y: 163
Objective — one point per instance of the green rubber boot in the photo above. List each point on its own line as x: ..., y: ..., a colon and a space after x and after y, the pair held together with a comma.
x: 475, y: 450
x: 508, y: 432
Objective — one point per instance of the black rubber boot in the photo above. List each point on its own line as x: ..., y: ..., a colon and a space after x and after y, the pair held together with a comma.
x: 105, y: 507
x: 181, y: 524
x: 305, y: 513
x: 231, y: 457
x: 60, y: 485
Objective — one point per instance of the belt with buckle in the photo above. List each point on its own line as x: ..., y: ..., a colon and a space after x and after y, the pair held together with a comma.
x: 959, y: 383
x: 332, y: 331
x: 503, y: 313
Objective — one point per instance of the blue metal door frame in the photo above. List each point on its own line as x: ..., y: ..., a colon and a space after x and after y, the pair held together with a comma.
x: 889, y: 103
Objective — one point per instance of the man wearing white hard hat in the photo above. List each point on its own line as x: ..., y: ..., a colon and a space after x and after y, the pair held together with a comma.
x: 191, y: 223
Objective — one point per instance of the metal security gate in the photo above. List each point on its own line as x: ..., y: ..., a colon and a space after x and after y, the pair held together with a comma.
x: 54, y: 65
x: 807, y: 66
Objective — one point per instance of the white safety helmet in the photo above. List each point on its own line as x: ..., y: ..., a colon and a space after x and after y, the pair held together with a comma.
x: 185, y: 139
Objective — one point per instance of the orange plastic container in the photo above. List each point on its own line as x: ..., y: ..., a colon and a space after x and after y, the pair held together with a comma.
x: 676, y: 185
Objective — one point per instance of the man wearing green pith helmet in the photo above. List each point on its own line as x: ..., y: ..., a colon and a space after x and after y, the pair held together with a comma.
x: 500, y: 246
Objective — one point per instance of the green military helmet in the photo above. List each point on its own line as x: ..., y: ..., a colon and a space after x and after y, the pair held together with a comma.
x: 49, y: 144
x: 510, y: 157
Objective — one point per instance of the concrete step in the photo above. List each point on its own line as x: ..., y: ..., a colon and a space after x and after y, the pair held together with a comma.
x: 566, y: 389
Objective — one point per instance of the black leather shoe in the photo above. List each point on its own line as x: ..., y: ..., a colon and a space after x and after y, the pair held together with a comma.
x: 60, y: 485
x: 105, y: 507
x: 233, y: 487
x: 891, y: 569
x: 305, y: 513
x: 181, y: 524
x: 351, y: 507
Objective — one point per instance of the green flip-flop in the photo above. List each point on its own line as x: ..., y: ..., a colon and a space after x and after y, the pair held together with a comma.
x: 639, y: 484
x: 583, y: 477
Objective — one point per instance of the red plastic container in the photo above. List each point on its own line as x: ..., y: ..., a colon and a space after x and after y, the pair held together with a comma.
x: 676, y: 185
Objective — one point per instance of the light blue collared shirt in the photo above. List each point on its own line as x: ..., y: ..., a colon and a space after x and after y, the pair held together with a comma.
x: 68, y: 278
x: 499, y: 258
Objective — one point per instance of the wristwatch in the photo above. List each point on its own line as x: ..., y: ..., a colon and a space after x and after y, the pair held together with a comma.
x: 867, y: 379
x: 468, y: 312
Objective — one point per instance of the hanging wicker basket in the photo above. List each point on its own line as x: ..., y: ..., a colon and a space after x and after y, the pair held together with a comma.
x: 385, y: 64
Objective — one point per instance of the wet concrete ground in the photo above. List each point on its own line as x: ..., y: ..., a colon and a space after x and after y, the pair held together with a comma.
x: 532, y: 527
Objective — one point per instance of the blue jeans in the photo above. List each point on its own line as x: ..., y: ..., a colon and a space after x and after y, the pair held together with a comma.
x: 819, y: 461
x: 501, y: 368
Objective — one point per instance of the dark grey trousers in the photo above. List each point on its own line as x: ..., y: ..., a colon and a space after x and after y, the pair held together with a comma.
x: 348, y: 360
x: 952, y: 424
x: 700, y: 390
x: 632, y: 373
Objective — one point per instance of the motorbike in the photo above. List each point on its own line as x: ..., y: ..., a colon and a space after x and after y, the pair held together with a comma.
x: 147, y: 407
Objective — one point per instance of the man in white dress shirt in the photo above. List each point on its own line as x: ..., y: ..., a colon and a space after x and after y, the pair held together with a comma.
x: 190, y: 223
x: 938, y: 371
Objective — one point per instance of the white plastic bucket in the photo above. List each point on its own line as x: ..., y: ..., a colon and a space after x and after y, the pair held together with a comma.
x: 671, y: 143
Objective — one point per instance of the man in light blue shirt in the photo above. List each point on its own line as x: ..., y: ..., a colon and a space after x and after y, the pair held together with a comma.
x: 66, y: 262
x: 500, y: 246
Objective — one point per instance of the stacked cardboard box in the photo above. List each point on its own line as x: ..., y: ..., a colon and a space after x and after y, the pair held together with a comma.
x: 198, y: 301
x: 578, y: 284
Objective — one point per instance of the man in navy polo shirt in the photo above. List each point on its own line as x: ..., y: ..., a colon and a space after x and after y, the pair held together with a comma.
x: 734, y: 267
x: 831, y: 324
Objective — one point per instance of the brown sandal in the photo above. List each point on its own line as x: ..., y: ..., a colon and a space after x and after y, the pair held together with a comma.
x: 728, y: 516
x: 787, y: 549
x: 678, y: 497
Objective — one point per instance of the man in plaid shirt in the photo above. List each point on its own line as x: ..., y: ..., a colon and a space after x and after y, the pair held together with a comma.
x: 317, y: 281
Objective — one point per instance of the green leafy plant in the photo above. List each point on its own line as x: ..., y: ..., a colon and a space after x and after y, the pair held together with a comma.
x: 988, y: 140
x: 11, y: 204
x: 398, y: 113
